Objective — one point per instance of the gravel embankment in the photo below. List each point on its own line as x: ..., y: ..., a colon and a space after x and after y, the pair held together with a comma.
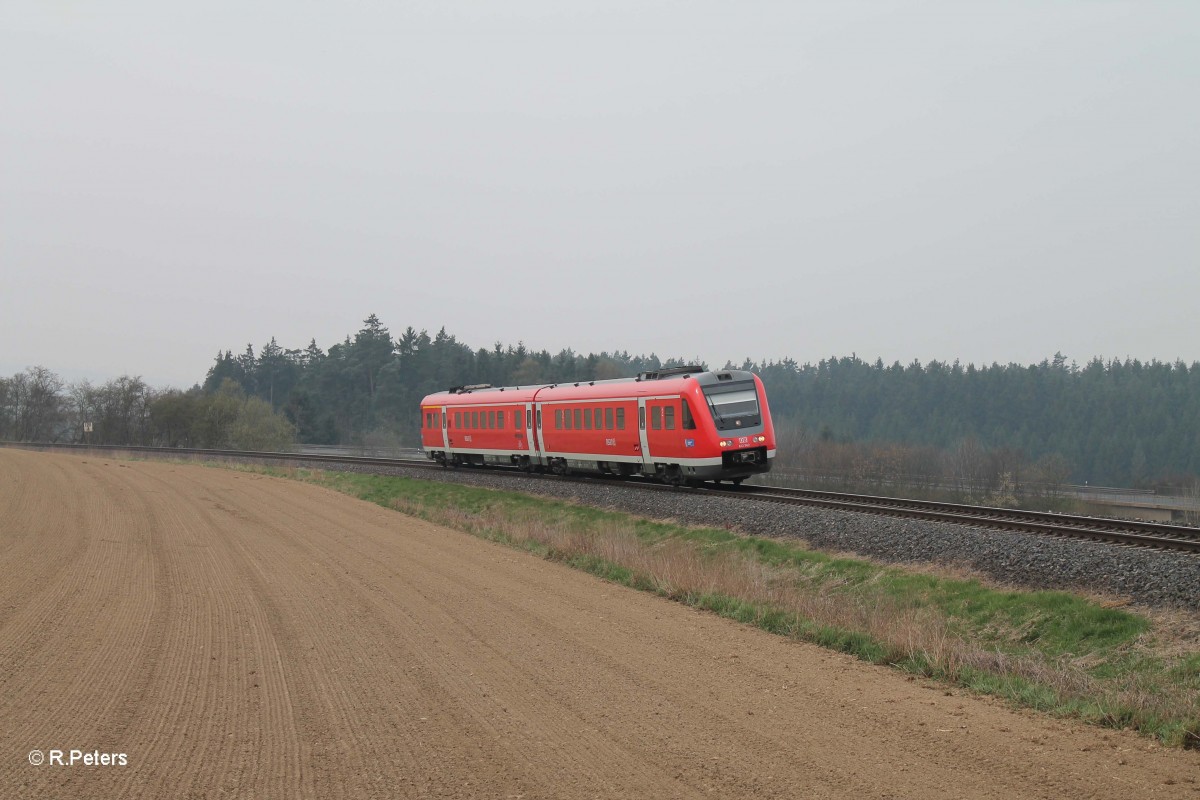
x: 1143, y: 576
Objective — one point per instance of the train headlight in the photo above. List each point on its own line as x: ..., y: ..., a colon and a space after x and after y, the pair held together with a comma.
x: 760, y: 438
x: 726, y: 442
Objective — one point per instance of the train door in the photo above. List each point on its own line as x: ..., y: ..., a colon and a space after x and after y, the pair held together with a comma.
x: 655, y: 422
x: 533, y: 436
x: 644, y: 449
x: 445, y: 427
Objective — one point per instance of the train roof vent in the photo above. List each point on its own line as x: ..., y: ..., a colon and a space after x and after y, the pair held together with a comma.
x: 472, y: 387
x: 669, y: 372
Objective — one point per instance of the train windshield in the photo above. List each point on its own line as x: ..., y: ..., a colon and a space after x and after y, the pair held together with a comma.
x: 734, y: 405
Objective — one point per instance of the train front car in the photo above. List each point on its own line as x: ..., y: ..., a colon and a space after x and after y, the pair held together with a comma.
x: 680, y: 425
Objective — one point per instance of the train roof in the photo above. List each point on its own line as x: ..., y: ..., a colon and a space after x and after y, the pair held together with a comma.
x: 647, y: 384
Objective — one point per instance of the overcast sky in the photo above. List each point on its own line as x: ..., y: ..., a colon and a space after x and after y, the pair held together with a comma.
x: 905, y: 180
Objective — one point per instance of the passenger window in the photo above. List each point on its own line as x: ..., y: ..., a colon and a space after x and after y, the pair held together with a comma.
x: 500, y: 420
x: 539, y: 419
x: 458, y: 419
x: 599, y: 415
x: 620, y: 419
x: 445, y: 418
x: 558, y: 418
x: 656, y: 418
x: 518, y: 418
x: 642, y: 417
x: 492, y: 420
x: 587, y: 419
x: 608, y: 423
x: 578, y: 419
x: 669, y: 418
x: 475, y: 420
x: 567, y: 418
x: 529, y: 418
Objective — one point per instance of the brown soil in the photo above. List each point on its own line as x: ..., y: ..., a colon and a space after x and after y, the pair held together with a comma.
x: 242, y: 636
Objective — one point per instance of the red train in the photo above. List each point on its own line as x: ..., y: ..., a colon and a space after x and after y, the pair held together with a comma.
x: 682, y: 425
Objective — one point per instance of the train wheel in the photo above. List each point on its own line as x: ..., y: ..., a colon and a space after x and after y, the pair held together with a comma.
x: 673, y: 475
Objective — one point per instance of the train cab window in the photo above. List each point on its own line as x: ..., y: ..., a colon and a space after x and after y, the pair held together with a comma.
x: 656, y: 418
x: 599, y: 418
x: 578, y: 419
x: 608, y: 418
x: 669, y: 418
x: 558, y: 418
x: 689, y: 422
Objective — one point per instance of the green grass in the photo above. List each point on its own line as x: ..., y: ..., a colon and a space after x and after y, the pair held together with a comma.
x: 1052, y: 651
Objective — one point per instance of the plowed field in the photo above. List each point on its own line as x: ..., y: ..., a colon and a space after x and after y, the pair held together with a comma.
x: 234, y: 635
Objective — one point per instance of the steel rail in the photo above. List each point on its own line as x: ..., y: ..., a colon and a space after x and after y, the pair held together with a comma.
x: 1124, y: 532
x: 1101, y: 529
x: 988, y: 513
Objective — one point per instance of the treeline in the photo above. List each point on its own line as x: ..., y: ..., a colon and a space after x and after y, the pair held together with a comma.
x: 1124, y: 423
x: 38, y: 406
x: 367, y: 389
x: 1108, y: 422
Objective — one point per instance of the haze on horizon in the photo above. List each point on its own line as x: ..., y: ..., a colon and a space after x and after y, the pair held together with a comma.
x: 937, y: 180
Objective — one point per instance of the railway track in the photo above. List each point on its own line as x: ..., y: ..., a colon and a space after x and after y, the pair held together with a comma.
x: 1113, y: 531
